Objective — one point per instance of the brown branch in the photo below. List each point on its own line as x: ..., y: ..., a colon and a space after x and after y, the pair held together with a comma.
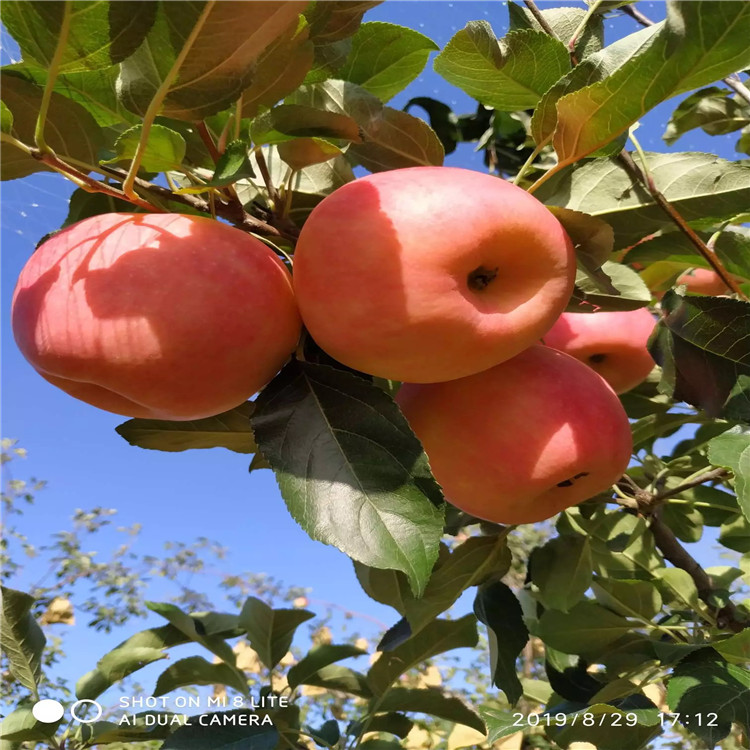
x: 735, y: 83
x: 727, y: 617
x: 709, y: 476
x: 637, y: 15
x: 637, y: 175
x: 93, y: 186
x: 232, y: 212
x: 540, y: 19
x: 207, y: 139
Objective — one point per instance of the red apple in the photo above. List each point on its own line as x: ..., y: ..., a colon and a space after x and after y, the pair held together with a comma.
x: 703, y: 281
x: 155, y: 315
x: 612, y: 343
x: 430, y: 273
x: 523, y: 440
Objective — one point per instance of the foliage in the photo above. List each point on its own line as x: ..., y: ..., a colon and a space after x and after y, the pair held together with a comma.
x: 621, y: 634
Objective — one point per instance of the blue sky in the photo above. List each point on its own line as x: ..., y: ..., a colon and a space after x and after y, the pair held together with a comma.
x: 206, y: 493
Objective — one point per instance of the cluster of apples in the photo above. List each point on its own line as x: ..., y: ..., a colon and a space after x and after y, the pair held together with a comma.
x: 445, y: 279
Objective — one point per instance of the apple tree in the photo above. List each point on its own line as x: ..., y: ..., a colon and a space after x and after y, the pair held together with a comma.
x: 248, y: 116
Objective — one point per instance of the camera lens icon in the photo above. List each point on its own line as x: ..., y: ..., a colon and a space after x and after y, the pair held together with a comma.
x: 49, y: 711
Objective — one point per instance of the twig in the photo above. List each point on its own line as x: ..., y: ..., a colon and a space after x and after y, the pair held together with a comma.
x: 637, y: 15
x: 158, y: 98
x: 208, y: 141
x: 233, y: 213
x: 540, y: 19
x: 709, y: 476
x: 727, y: 617
x: 273, y: 194
x: 735, y: 83
x: 593, y: 7
x: 636, y: 174
x: 49, y: 85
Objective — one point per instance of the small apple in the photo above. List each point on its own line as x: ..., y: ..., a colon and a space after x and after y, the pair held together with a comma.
x: 703, y: 281
x: 523, y: 440
x: 155, y: 315
x: 430, y: 273
x: 612, y: 343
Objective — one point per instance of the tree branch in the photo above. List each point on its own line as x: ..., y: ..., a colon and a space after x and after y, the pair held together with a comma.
x: 232, y: 212
x: 709, y: 476
x: 637, y: 175
x: 727, y: 617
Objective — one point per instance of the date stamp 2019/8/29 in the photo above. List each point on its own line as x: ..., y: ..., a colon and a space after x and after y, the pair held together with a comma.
x: 614, y: 719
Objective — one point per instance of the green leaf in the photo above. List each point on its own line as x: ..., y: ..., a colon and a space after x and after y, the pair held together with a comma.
x: 678, y: 587
x: 141, y: 727
x: 94, y: 90
x: 71, y: 131
x: 564, y: 22
x: 507, y: 74
x: 317, y: 658
x: 736, y: 648
x: 164, y: 151
x: 613, y: 287
x: 628, y: 598
x: 607, y: 727
x: 234, y: 164
x: 703, y: 685
x: 342, y: 679
x: 393, y: 723
x: 587, y: 629
x: 327, y: 735
x: 699, y: 43
x: 191, y: 627
x: 195, y: 670
x: 732, y: 247
x: 395, y: 140
x: 735, y: 534
x: 21, y: 639
x: 270, y: 631
x: 498, y: 609
x: 100, y: 34
x: 6, y: 118
x: 697, y: 185
x: 710, y: 109
x: 436, y: 638
x: 218, y: 65
x: 592, y: 238
x: 279, y: 70
x: 621, y: 544
x: 700, y: 345
x: 391, y: 139
x: 385, y: 58
x: 20, y: 725
x: 686, y: 522
x: 562, y: 570
x: 230, y: 430
x: 469, y: 564
x: 731, y: 450
x: 357, y: 478
x: 331, y: 25
x: 146, y: 647
x: 430, y: 701
x: 299, y: 121
x: 302, y: 152
x: 224, y: 730
x: 334, y: 21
